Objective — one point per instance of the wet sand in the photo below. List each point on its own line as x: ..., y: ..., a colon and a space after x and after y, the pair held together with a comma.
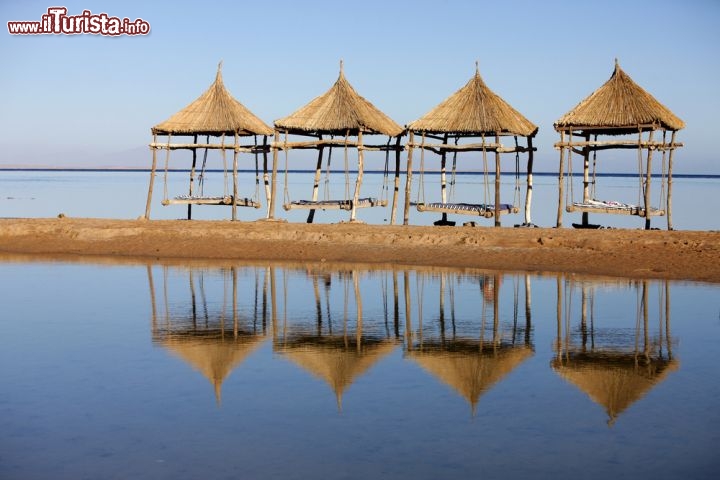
x: 688, y: 255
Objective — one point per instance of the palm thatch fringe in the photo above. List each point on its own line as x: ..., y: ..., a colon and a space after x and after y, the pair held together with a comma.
x: 619, y: 106
x: 340, y: 110
x: 213, y: 113
x: 476, y: 110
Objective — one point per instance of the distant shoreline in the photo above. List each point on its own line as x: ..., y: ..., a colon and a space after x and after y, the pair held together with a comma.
x: 372, y: 172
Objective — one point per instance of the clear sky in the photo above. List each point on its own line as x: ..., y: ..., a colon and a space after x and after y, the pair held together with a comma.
x: 69, y: 100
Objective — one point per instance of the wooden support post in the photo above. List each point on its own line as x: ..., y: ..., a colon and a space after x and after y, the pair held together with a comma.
x: 152, y: 180
x: 529, y: 189
x: 266, y: 178
x: 235, y: 178
x: 497, y: 183
x: 273, y: 188
x: 669, y: 184
x: 358, y: 181
x: 443, y: 180
x: 586, y: 179
x: 648, y: 182
x: 192, y: 177
x: 396, y: 185
x: 408, y: 178
x: 561, y: 185
x: 316, y: 182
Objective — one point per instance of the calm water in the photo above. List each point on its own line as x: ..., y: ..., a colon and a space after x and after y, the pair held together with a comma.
x: 306, y: 371
x: 123, y: 194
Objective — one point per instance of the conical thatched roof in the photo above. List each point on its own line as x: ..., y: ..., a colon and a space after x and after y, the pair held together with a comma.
x: 214, y: 357
x: 471, y: 373
x: 337, y: 366
x: 338, y: 110
x: 614, y: 383
x: 213, y: 113
x: 620, y: 104
x: 474, y: 109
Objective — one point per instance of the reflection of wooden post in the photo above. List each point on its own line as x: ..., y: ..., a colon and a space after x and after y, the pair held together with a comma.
x: 152, y: 179
x: 561, y: 173
x: 583, y: 314
x: 396, y: 304
x: 496, y: 310
x: 408, y: 177
x: 667, y: 319
x: 234, y: 301
x: 273, y: 303
x: 318, y: 305
x: 558, y: 309
x: 316, y: 181
x: 528, y: 312
x: 646, y: 332
x: 358, y: 305
x: 442, y: 309
x: 408, y: 321
x: 153, y: 305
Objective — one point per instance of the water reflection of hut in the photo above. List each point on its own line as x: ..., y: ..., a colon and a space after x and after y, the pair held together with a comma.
x: 336, y: 352
x: 202, y: 332
x: 340, y: 112
x: 473, y: 112
x: 216, y: 113
x: 472, y: 358
x: 619, y: 108
x: 614, y: 367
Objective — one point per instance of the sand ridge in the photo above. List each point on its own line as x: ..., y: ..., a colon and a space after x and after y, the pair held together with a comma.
x: 688, y: 255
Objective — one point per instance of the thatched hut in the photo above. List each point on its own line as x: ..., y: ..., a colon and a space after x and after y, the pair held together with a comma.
x: 216, y: 113
x: 613, y: 369
x: 473, y: 112
x: 473, y: 356
x: 619, y: 108
x: 338, y: 360
x: 338, y: 119
x: 210, y: 336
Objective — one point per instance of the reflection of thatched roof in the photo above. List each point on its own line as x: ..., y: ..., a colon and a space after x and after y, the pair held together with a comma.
x: 338, y: 110
x: 471, y: 373
x: 213, y: 113
x: 214, y: 357
x: 613, y: 382
x: 619, y: 103
x: 337, y: 365
x: 474, y: 109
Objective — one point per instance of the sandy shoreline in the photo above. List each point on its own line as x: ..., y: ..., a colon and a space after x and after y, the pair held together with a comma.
x: 687, y: 255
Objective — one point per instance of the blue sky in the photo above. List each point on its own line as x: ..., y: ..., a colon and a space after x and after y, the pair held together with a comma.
x: 69, y: 100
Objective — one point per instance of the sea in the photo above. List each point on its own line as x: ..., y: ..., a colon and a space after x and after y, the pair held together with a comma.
x: 150, y: 369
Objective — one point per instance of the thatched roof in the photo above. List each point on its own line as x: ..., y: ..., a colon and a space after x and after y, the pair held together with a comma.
x: 214, y: 357
x: 475, y: 110
x: 618, y: 107
x: 614, y: 383
x: 213, y: 113
x: 337, y: 111
x: 471, y: 373
x: 337, y: 366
